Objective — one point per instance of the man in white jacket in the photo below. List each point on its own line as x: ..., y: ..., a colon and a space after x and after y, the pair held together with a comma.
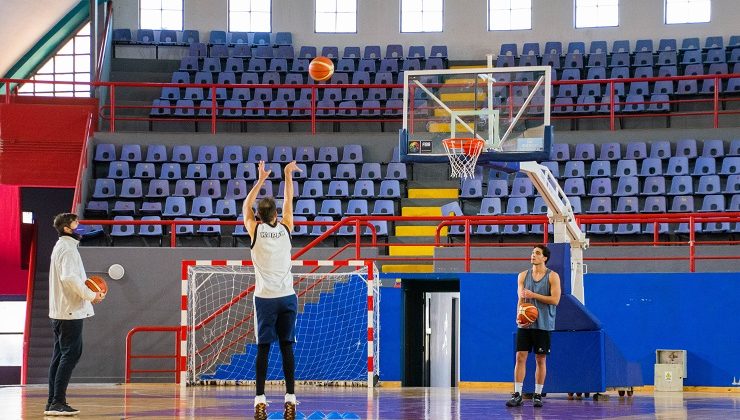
x: 69, y: 303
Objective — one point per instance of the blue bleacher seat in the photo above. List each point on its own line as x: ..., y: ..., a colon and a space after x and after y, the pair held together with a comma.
x: 668, y: 44
x: 713, y: 203
x: 522, y: 187
x: 599, y: 168
x: 704, y: 166
x: 122, y: 36
x: 198, y: 49
x: 345, y: 171
x: 690, y: 44
x: 184, y: 108
x: 338, y: 188
x: 653, y: 185
x: 687, y: 148
x: 585, y: 151
x: 151, y: 230
x: 201, y: 207
x: 184, y: 188
x: 708, y: 184
x: 364, y: 188
x: 677, y: 165
x: 370, y: 170
x: 331, y: 207
x: 210, y: 188
x: 627, y: 186
x: 626, y: 167
x: 732, y: 186
x: 730, y: 165
x: 644, y: 72
x: 119, y: 231
x: 654, y: 204
x: 236, y: 189
x: 158, y: 188
x: 734, y: 203
x: 145, y: 170
x: 560, y: 152
x: 196, y: 171
x: 687, y: 87
x: 144, y: 36
x: 497, y: 188
x: 118, y: 170
x: 261, y: 39
x: 190, y: 36
x: 312, y: 189
x: 131, y: 188
x: 170, y: 171
x: 471, y: 188
x: 127, y: 208
x: 681, y: 185
x: 601, y: 187
x: 668, y: 71
x: 490, y: 206
x: 659, y: 103
x: 600, y: 205
x: 627, y: 205
x: 131, y: 153
x: 619, y: 60
x: 330, y: 52
x: 321, y: 171
x: 174, y: 207
x: 328, y: 154
x: 217, y: 37
x: 575, y: 187
x: 257, y: 153
x: 682, y: 204
x: 383, y: 207
x: 610, y: 151
x: 396, y: 170
x: 105, y: 152
x: 389, y: 188
x: 660, y: 149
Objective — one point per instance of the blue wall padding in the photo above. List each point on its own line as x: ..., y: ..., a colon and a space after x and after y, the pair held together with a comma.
x: 559, y: 262
x: 576, y: 363
x: 619, y: 374
x: 573, y: 316
x: 391, y: 324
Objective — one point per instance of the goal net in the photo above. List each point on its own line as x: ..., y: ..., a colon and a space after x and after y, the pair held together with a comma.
x: 336, y: 328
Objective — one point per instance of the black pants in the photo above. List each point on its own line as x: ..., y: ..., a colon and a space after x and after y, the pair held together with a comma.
x: 67, y: 352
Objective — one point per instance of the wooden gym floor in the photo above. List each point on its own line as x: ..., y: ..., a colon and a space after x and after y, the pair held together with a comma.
x: 166, y: 401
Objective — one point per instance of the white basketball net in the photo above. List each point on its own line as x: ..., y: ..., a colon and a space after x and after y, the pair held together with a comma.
x: 463, y: 154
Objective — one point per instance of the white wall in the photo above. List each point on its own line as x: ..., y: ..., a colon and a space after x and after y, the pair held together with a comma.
x: 465, y: 24
x: 24, y: 23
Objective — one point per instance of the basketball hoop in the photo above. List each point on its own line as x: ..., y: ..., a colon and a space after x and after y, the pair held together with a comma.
x: 463, y: 154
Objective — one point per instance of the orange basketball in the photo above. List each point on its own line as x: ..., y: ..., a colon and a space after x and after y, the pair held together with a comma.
x: 527, y: 313
x: 320, y: 69
x: 96, y: 284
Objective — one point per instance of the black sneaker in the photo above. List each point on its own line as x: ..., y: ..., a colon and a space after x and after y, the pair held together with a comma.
x: 515, y: 401
x: 289, y: 412
x: 260, y: 411
x: 537, y: 400
x: 46, y: 409
x: 61, y: 409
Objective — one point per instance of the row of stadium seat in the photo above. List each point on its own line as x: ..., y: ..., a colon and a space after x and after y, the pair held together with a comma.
x: 619, y: 60
x: 620, y: 46
x: 248, y: 171
x: 191, y: 36
x: 106, y: 188
x: 638, y: 150
x: 677, y: 165
x: 209, y: 153
x: 608, y: 186
x: 238, y: 64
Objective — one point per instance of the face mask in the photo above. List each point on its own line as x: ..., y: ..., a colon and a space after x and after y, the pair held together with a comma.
x: 76, y: 233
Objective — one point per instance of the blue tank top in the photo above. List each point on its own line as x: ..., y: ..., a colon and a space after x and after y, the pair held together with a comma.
x: 546, y: 318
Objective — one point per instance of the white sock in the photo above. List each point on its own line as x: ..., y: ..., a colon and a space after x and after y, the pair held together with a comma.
x: 290, y: 398
x: 518, y: 387
x: 260, y: 399
x: 538, y: 388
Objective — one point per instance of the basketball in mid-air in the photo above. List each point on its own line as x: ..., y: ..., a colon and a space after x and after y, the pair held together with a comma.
x: 96, y: 284
x: 527, y: 313
x: 321, y: 68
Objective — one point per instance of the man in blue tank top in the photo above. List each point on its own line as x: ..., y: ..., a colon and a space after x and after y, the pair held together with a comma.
x: 539, y: 286
x: 275, y: 301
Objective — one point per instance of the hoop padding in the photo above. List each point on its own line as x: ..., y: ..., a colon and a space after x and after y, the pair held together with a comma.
x: 336, y: 329
x: 463, y: 154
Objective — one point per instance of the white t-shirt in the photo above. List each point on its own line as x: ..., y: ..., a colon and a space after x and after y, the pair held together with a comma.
x: 271, y: 256
x: 69, y: 298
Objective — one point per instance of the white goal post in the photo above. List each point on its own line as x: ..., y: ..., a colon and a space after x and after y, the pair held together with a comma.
x: 337, y: 327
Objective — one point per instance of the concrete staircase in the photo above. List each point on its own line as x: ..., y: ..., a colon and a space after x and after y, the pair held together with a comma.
x: 420, y: 202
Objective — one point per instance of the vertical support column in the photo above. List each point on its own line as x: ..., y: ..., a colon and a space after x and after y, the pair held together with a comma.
x: 370, y: 325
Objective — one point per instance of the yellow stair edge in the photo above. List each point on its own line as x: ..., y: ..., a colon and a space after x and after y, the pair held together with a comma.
x: 446, y: 128
x: 408, y: 268
x: 433, y: 193
x: 411, y: 251
x: 421, y: 211
x: 419, y: 230
x: 462, y: 96
x: 441, y: 112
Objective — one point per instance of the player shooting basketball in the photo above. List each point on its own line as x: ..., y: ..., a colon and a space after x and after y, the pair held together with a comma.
x: 275, y: 301
x: 540, y: 286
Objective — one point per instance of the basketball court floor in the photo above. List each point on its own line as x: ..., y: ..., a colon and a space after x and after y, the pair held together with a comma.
x: 166, y: 401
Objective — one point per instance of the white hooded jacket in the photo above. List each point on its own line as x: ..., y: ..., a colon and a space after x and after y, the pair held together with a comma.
x: 69, y: 298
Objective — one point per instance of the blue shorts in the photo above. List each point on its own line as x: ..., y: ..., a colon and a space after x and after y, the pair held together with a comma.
x: 275, y: 319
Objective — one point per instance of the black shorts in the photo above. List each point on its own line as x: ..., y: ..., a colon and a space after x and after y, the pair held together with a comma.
x: 533, y: 340
x: 275, y: 319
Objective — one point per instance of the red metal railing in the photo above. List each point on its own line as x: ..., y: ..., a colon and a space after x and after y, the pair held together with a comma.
x: 30, y: 285
x: 108, y: 112
x: 468, y: 221
x: 131, y: 357
x: 77, y: 198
